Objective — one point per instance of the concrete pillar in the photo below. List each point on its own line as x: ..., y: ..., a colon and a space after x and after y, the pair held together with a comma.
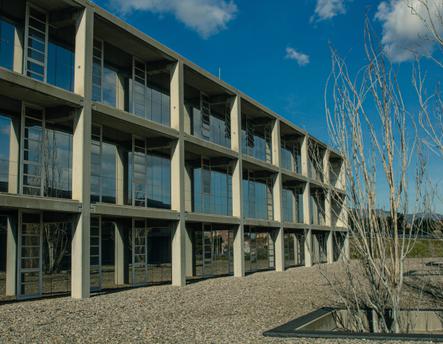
x: 328, y: 208
x: 11, y: 255
x: 277, y: 198
x: 14, y: 155
x: 18, y: 50
x: 308, y: 247
x: 189, y: 254
x: 305, y: 157
x: 346, y: 248
x: 330, y: 246
x: 178, y: 177
x: 326, y: 170
x: 237, y: 192
x: 121, y: 254
x: 121, y: 163
x: 81, y: 155
x: 307, y: 204
x: 296, y: 250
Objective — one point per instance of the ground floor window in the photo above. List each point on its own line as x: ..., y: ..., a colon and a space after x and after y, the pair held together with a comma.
x: 212, y: 250
x: 259, y: 249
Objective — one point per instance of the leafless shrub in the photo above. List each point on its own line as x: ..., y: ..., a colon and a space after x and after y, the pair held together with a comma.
x: 372, y: 129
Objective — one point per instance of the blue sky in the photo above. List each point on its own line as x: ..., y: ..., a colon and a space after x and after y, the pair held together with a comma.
x: 278, y: 51
x: 250, y: 45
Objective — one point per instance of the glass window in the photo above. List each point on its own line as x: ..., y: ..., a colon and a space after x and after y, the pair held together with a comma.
x: 288, y: 205
x: 58, y: 163
x: 256, y: 141
x: 6, y: 44
x: 97, y: 71
x: 212, y: 191
x: 109, y: 86
x: 5, y: 124
x: 257, y: 199
x: 61, y: 66
x: 212, y: 126
x: 159, y: 181
x: 103, y: 168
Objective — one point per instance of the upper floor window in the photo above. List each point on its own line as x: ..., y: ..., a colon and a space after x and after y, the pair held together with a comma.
x: 150, y: 97
x: 48, y: 51
x: 291, y: 156
x: 257, y: 197
x: 212, y: 189
x: 211, y: 120
x: 256, y: 139
x: 6, y: 44
x: 46, y: 154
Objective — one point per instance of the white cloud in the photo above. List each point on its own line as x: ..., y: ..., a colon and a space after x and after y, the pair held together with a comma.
x: 405, y: 35
x: 292, y: 54
x: 207, y: 17
x: 327, y: 9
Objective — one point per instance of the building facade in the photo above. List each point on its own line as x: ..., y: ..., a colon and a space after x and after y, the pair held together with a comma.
x: 124, y: 164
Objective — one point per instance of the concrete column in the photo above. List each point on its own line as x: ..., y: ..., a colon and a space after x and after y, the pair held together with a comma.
x: 346, y: 248
x: 307, y: 204
x: 178, y: 177
x: 328, y: 208
x: 305, y: 157
x: 121, y: 163
x: 121, y: 255
x: 326, y: 170
x: 237, y: 192
x: 330, y: 247
x: 11, y: 255
x: 189, y: 254
x: 296, y: 250
x: 18, y: 50
x: 308, y: 248
x: 81, y: 155
x: 14, y: 155
x: 277, y: 198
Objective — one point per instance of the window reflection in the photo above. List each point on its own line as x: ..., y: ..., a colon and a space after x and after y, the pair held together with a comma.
x: 5, y: 123
x: 256, y: 139
x: 257, y: 198
x: 212, y: 191
x: 6, y: 44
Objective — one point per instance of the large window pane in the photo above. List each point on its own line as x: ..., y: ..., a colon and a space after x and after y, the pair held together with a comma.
x: 6, y: 44
x: 5, y: 124
x: 61, y: 66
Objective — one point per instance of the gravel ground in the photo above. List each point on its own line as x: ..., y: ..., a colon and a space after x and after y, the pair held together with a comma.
x: 221, y: 310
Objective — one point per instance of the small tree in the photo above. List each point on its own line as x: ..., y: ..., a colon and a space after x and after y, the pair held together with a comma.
x: 371, y: 128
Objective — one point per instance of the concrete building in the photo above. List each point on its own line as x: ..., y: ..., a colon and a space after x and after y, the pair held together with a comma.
x: 124, y: 164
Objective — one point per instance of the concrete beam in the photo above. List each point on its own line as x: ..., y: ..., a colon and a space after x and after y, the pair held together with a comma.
x: 37, y: 203
x: 130, y: 211
x: 18, y: 86
x: 212, y: 218
x: 131, y: 122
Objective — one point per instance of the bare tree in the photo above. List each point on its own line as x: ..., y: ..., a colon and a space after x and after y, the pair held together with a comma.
x: 371, y: 128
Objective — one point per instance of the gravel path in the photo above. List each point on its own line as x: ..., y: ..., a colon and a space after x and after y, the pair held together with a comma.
x: 221, y: 310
